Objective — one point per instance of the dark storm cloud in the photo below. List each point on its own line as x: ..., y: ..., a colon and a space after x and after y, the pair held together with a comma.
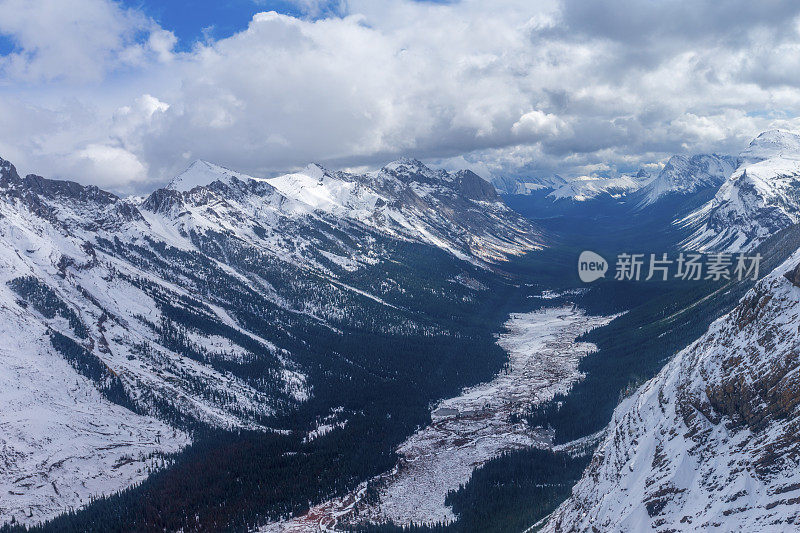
x: 647, y: 23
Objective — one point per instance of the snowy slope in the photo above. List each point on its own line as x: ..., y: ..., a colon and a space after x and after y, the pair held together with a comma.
x: 95, y: 382
x: 64, y: 437
x: 115, y: 306
x: 61, y: 441
x: 145, y: 319
x: 459, y: 212
x: 710, y: 444
x: 761, y: 197
x: 685, y: 175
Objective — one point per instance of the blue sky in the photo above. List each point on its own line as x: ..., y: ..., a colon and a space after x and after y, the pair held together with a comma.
x: 194, y: 20
x: 6, y: 45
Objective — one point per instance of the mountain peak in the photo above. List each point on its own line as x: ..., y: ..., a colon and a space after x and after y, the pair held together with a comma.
x: 676, y: 161
x: 772, y: 143
x: 474, y: 187
x: 7, y: 171
x: 315, y: 171
x: 200, y: 173
x: 757, y: 200
x: 409, y: 170
x: 405, y: 164
x: 688, y: 174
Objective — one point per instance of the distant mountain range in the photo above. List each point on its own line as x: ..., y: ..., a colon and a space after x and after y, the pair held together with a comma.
x: 460, y: 212
x: 755, y: 194
x: 578, y: 189
x: 680, y: 176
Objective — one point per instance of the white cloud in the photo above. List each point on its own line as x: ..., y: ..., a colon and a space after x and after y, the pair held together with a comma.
x: 538, y: 123
x: 113, y: 164
x: 507, y: 87
x: 162, y: 42
x: 78, y: 41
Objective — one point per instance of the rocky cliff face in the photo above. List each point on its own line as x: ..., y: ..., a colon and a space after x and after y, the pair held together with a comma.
x: 472, y: 186
x: 712, y: 442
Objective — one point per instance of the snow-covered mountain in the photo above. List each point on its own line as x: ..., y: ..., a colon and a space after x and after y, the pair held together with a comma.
x: 577, y: 189
x: 681, y: 175
x: 132, y: 322
x: 761, y: 197
x: 711, y: 443
x: 459, y: 212
x: 201, y: 173
x: 530, y: 185
x: 585, y: 188
x: 684, y: 175
x: 99, y: 380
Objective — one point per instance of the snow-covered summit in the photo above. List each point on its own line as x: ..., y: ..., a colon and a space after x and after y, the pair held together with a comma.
x: 408, y: 167
x: 318, y: 189
x: 760, y: 197
x: 685, y: 175
x: 771, y: 144
x: 6, y: 168
x: 201, y: 173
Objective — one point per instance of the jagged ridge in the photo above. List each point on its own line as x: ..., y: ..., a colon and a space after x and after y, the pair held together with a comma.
x: 711, y: 442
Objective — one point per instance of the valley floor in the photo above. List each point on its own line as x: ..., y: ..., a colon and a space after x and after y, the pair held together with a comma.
x: 470, y: 429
